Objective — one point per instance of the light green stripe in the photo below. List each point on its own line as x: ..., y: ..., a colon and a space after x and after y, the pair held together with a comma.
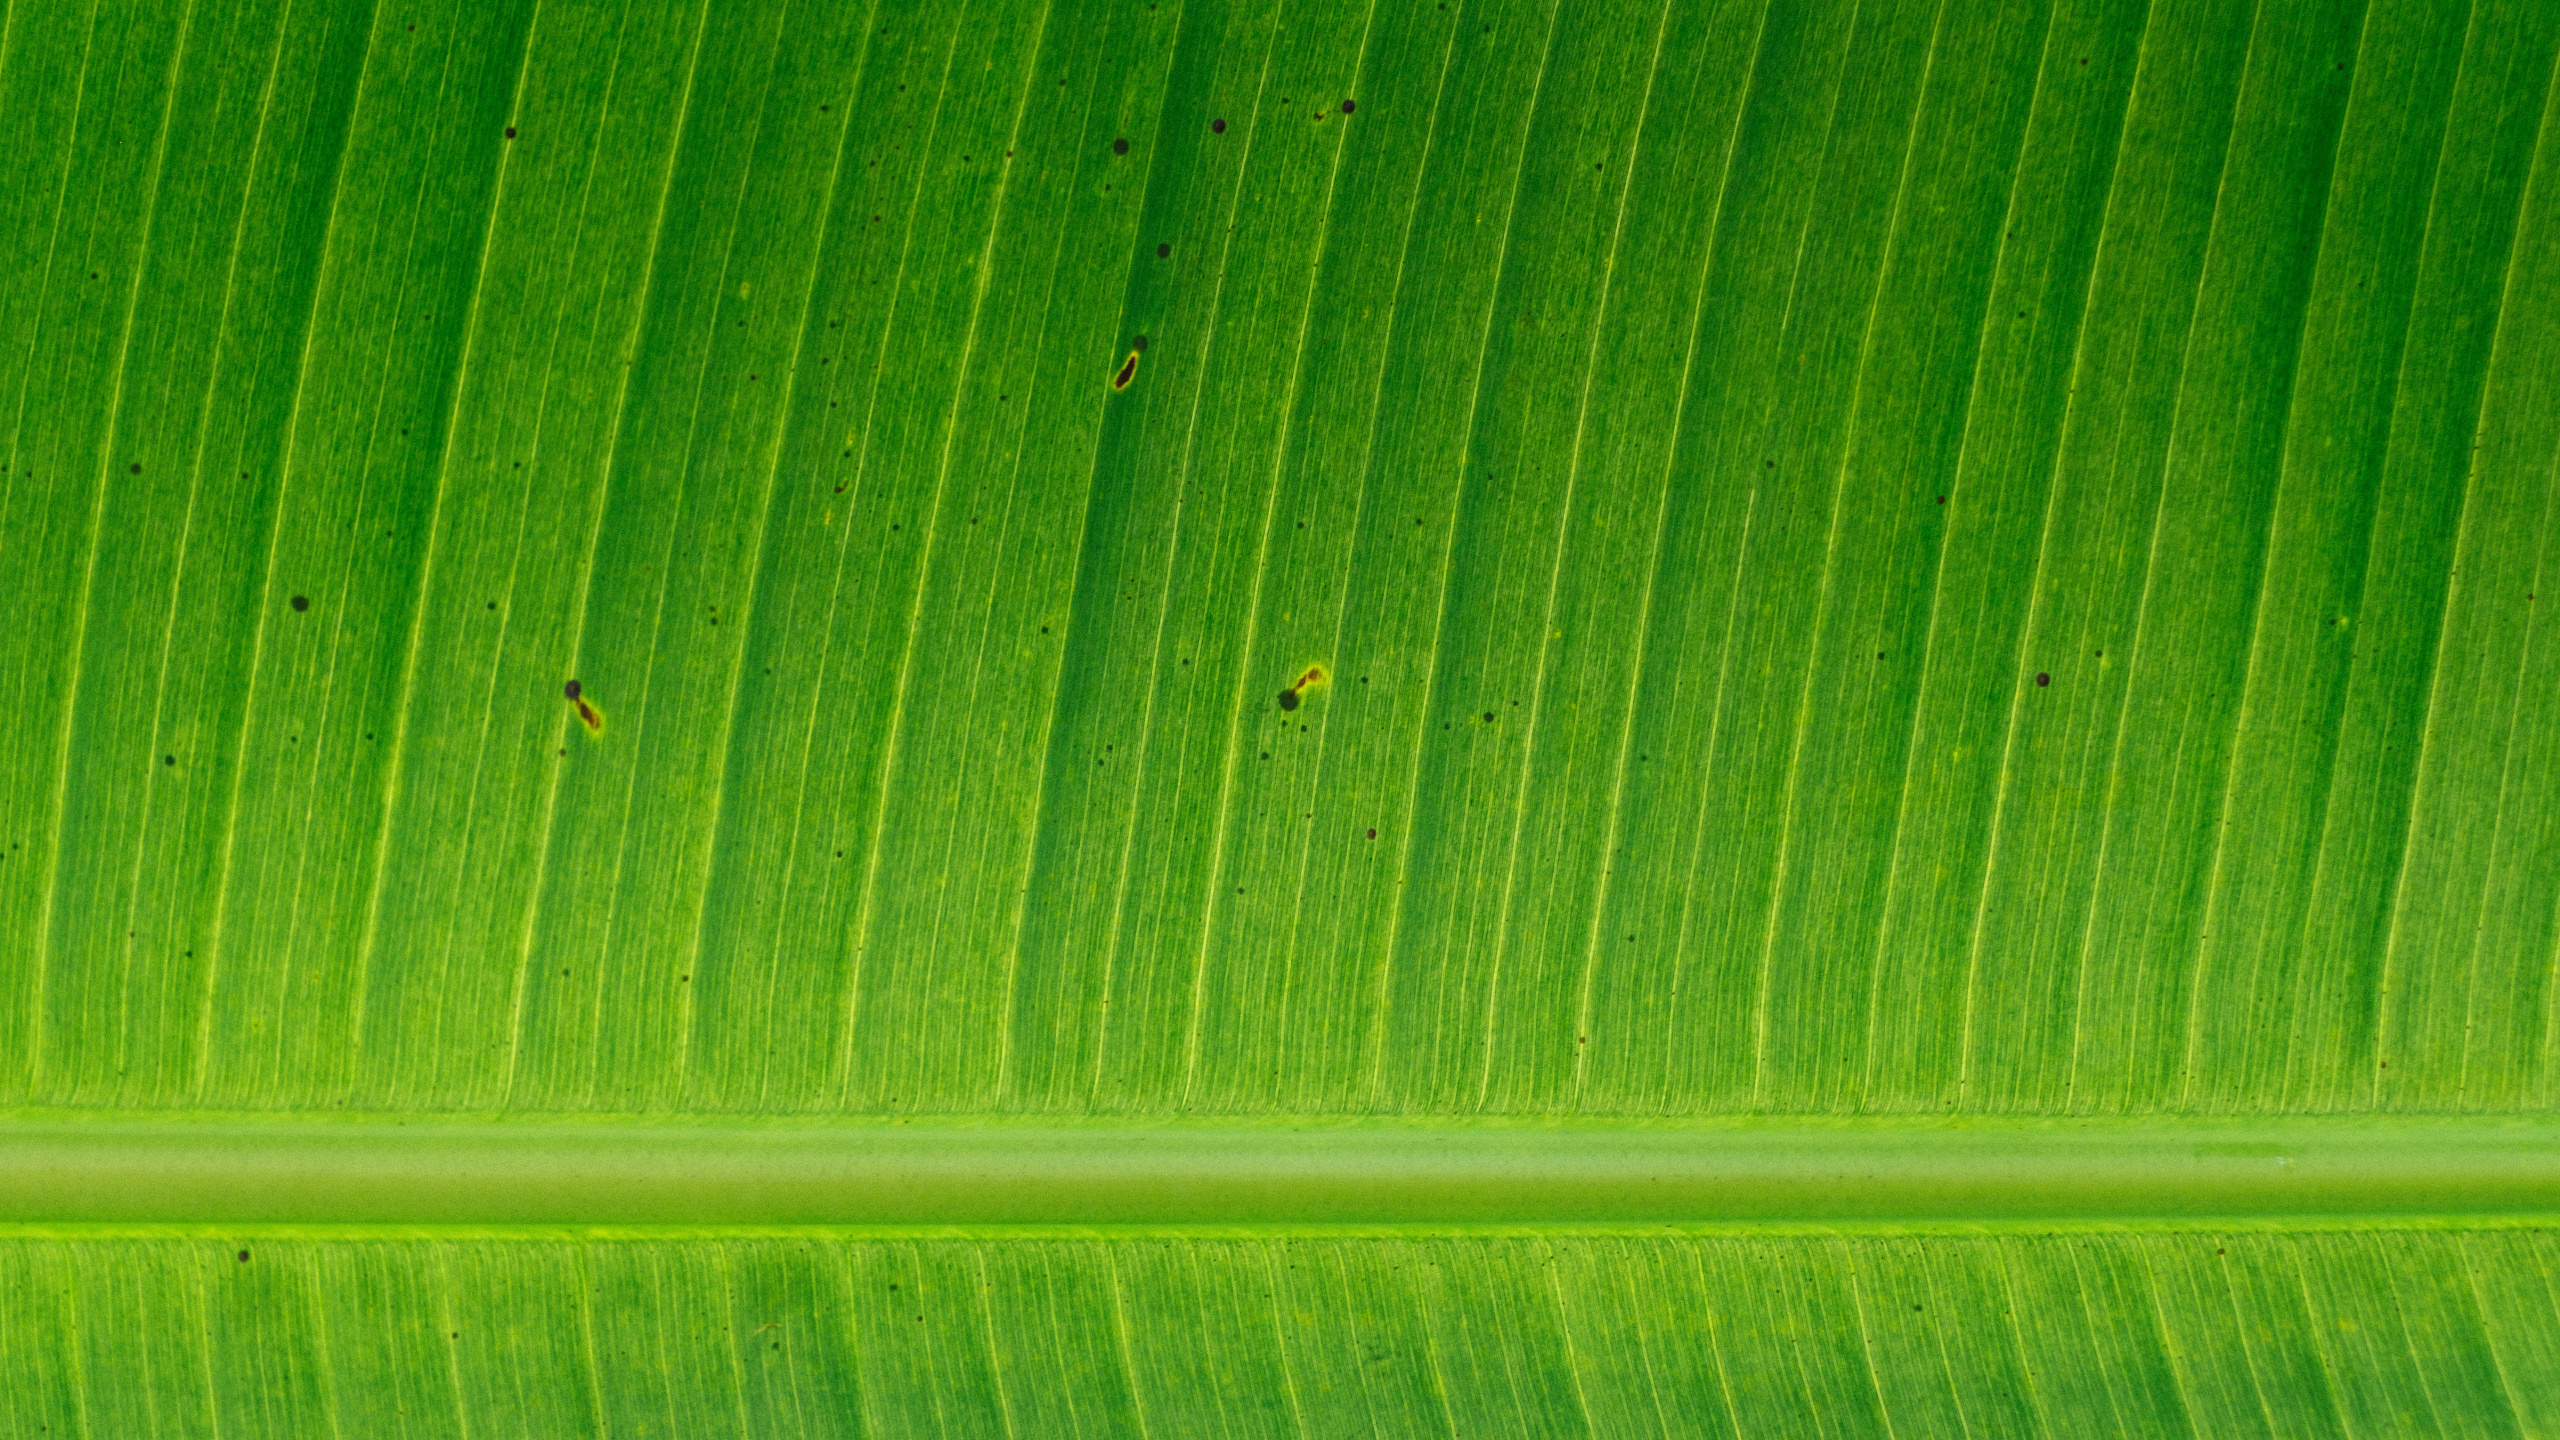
x: 380, y: 1170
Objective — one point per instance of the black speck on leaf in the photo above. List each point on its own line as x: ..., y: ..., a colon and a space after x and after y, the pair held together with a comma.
x: 1119, y: 147
x: 1348, y: 107
x: 1217, y: 127
x: 244, y: 1257
x: 301, y: 602
x: 1488, y: 717
x: 570, y: 690
x: 1164, y: 252
x: 1139, y: 344
x: 2043, y: 679
x: 1288, y: 699
x: 511, y: 132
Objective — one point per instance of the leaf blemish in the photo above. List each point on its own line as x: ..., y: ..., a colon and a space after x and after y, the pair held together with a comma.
x: 587, y: 713
x: 1128, y: 372
x: 1315, y: 675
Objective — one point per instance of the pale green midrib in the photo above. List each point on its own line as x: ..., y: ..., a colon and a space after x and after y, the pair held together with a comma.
x: 115, y: 1168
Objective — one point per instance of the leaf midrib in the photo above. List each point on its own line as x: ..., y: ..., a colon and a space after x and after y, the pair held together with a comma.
x: 70, y: 1167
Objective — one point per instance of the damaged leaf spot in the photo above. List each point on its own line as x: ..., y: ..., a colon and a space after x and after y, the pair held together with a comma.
x: 1315, y: 675
x: 1128, y: 372
x: 588, y: 714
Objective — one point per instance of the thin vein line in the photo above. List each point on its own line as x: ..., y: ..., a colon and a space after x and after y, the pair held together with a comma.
x: 942, y: 475
x: 1279, y: 1322
x: 1946, y: 1362
x: 727, y: 745
x: 336, y: 642
x: 1075, y: 567
x: 1449, y: 547
x: 674, y: 509
x: 2499, y: 840
x: 2250, y: 691
x: 1867, y: 1353
x: 76, y: 1354
x: 2000, y: 1259
x: 2150, y: 566
x: 59, y: 801
x: 452, y: 1353
x: 2098, y: 257
x: 978, y: 1253
x: 1741, y: 553
x: 186, y: 524
x: 1360, y: 496
x: 2452, y: 588
x: 1831, y: 530
x: 1653, y: 560
x: 391, y: 789
x: 1175, y: 530
x: 986, y: 625
x: 1120, y: 1334
x: 1946, y: 541
x: 2320, y: 1344
x: 1573, y: 1365
x: 729, y: 1306
x: 1707, y: 1287
x: 267, y: 573
x: 326, y: 1370
x: 1261, y: 565
x: 826, y: 642
x: 1373, y: 1040
x: 604, y: 487
x: 1075, y: 561
x: 2480, y: 1311
x: 8, y: 473
x: 924, y: 557
x: 1555, y: 581
x: 2088, y: 922
x: 1689, y: 898
x: 506, y: 619
x: 2390, y: 430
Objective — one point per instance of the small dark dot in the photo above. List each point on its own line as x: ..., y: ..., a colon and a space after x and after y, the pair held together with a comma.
x: 1217, y: 127
x: 1139, y: 344
x: 1942, y: 499
x: 511, y: 132
x: 168, y: 759
x: 570, y: 690
x: 301, y: 602
x: 1373, y: 834
x: 1164, y: 252
x: 1348, y: 107
x: 1119, y: 147
x: 137, y: 469
x: 1488, y: 717
x: 244, y: 1257
x: 2043, y: 679
x: 1288, y: 699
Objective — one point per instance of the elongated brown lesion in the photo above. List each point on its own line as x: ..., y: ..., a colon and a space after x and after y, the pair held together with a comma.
x: 588, y: 714
x: 1315, y: 675
x: 1128, y: 372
